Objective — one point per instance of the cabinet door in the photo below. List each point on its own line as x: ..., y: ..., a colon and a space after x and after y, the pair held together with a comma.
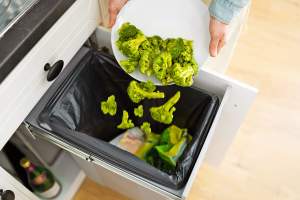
x: 61, y: 42
x: 8, y: 182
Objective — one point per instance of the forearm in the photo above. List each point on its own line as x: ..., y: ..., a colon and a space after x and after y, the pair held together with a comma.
x: 225, y: 10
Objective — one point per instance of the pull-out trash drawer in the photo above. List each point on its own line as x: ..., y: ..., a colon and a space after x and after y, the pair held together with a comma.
x: 69, y: 114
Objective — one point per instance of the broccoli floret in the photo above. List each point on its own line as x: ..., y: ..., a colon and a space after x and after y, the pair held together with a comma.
x: 164, y: 113
x: 194, y: 65
x: 126, y: 123
x: 162, y: 67
x: 139, y: 111
x: 128, y: 31
x: 130, y: 48
x: 157, y: 42
x: 145, y: 63
x: 187, y: 54
x: 151, y: 139
x: 109, y: 106
x: 137, y: 92
x: 175, y: 47
x: 146, y: 128
x: 129, y: 65
x: 150, y: 136
x: 182, y: 75
x: 148, y: 86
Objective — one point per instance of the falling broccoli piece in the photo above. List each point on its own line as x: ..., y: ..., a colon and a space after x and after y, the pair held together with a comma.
x: 162, y: 67
x: 126, y: 122
x: 182, y: 75
x: 109, y: 106
x: 139, y: 91
x: 139, y: 111
x: 129, y: 65
x: 164, y: 113
x: 148, y: 86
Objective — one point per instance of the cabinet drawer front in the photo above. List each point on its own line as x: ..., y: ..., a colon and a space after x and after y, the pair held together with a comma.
x: 26, y: 84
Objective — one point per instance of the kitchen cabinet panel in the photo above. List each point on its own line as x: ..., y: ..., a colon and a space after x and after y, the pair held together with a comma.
x: 26, y: 84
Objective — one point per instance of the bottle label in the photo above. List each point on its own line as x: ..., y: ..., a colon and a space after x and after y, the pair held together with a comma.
x: 40, y: 179
x: 52, y: 192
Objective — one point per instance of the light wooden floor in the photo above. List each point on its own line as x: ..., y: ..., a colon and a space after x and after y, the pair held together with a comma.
x: 263, y: 163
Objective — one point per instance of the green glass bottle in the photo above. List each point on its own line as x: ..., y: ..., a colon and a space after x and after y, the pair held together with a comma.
x: 41, y: 180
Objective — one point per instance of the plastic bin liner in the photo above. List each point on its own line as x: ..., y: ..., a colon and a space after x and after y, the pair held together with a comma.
x: 73, y: 113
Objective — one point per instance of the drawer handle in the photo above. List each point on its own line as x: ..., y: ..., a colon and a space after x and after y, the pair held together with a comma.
x: 54, y: 70
x: 7, y: 195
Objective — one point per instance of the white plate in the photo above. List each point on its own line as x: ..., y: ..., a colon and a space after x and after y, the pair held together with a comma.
x: 188, y: 19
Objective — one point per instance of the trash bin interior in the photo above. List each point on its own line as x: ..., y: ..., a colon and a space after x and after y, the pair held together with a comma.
x: 74, y: 114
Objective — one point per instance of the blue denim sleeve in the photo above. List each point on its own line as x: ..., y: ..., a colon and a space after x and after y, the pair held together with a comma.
x: 225, y: 10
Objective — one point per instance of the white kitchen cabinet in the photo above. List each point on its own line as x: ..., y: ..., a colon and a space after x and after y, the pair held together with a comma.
x: 61, y: 42
x: 27, y: 83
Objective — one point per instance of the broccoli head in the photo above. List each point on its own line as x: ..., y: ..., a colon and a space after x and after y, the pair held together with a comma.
x: 157, y: 42
x: 182, y: 75
x: 129, y: 65
x: 109, y: 106
x: 139, y: 111
x: 164, y: 113
x: 139, y: 91
x: 187, y: 54
x: 145, y: 62
x: 193, y: 64
x: 128, y: 32
x: 130, y: 48
x: 175, y: 47
x: 148, y: 86
x: 162, y: 67
x: 126, y: 122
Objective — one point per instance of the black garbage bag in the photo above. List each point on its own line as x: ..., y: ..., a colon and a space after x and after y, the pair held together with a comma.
x: 72, y: 113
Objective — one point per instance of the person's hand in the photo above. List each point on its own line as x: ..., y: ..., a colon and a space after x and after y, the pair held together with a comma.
x: 114, y: 8
x: 218, y: 31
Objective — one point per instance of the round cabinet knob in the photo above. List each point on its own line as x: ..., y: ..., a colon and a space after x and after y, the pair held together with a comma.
x: 54, y: 70
x: 7, y: 195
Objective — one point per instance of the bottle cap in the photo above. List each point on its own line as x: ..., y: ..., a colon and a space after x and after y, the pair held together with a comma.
x: 25, y: 163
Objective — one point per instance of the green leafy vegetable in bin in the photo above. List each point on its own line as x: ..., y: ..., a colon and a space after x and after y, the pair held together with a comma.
x: 139, y: 111
x: 151, y: 139
x: 109, y: 106
x: 169, y: 60
x: 172, y: 144
x: 139, y: 91
x: 126, y: 122
x: 164, y: 113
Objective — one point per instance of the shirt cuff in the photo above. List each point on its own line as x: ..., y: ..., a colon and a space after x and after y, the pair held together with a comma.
x: 223, y: 10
